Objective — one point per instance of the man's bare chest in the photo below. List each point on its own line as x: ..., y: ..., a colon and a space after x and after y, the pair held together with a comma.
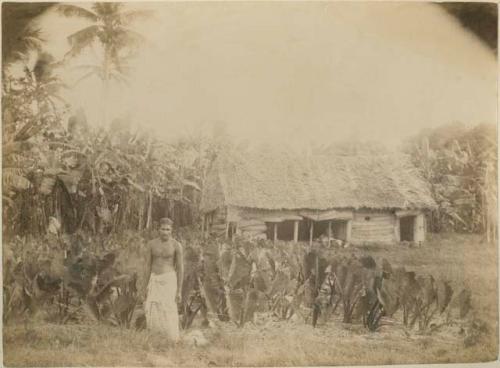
x: 161, y: 249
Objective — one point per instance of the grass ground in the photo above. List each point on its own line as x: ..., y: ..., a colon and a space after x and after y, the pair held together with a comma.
x: 463, y: 260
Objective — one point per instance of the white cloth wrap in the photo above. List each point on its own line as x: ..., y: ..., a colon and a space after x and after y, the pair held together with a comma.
x: 161, y: 308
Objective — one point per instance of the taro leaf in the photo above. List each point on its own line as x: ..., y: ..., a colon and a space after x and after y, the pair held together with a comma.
x: 388, y: 296
x: 465, y: 302
x: 409, y: 288
x: 104, y: 213
x: 47, y: 185
x: 212, y: 293
x: 79, y: 274
x: 368, y: 262
x: 225, y: 262
x: 262, y: 259
x: 309, y: 292
x: 428, y: 292
x: 341, y: 271
x: 71, y: 180
x: 444, y: 295
x: 386, y: 267
x: 251, y: 303
x: 123, y: 307
x: 211, y: 283
x: 353, y: 280
x: 291, y: 287
x: 47, y: 283
x: 279, y: 283
x: 235, y: 300
x: 322, y: 266
x: 106, y: 261
x: 239, y: 272
x: 16, y: 182
x: 272, y: 263
x: 261, y: 281
x: 309, y: 264
x: 16, y: 302
x: 189, y: 285
x: 370, y: 281
x: 54, y: 225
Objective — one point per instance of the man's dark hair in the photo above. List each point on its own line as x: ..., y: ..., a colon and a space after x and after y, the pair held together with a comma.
x: 166, y: 221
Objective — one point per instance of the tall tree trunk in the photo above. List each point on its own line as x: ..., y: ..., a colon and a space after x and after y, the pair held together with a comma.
x: 140, y: 209
x: 150, y: 209
x: 105, y: 80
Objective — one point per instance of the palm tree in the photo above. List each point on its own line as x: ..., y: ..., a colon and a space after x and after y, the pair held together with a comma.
x: 31, y: 107
x: 110, y: 27
x: 19, y: 36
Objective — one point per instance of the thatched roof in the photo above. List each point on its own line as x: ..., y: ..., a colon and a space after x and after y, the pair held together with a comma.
x: 284, y: 180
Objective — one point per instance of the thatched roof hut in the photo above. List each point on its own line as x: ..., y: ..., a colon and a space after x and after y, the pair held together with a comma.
x: 290, y: 184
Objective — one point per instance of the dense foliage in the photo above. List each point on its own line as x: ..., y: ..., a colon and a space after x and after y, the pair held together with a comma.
x: 460, y: 164
x: 100, y: 177
x: 79, y: 278
x: 290, y: 280
x: 93, y: 179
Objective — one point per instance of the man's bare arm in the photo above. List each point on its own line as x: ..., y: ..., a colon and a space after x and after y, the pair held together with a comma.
x: 179, y: 266
x: 149, y: 262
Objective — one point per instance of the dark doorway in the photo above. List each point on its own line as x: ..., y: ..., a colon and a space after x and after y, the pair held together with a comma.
x: 320, y: 228
x: 285, y: 230
x: 339, y: 229
x: 406, y: 226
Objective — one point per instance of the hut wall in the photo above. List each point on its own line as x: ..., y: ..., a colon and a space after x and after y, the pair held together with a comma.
x: 371, y: 226
x: 255, y: 223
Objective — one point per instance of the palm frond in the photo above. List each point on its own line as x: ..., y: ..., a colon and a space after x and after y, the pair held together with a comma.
x: 33, y: 42
x: 76, y: 11
x: 87, y: 66
x: 8, y: 202
x: 58, y: 98
x: 128, y: 37
x: 107, y: 9
x: 131, y: 16
x: 30, y: 39
x: 81, y: 40
x: 120, y: 78
x: 98, y: 73
x: 54, y: 87
x: 14, y: 179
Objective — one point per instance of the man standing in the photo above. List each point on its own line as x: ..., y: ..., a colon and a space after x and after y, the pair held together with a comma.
x: 166, y: 270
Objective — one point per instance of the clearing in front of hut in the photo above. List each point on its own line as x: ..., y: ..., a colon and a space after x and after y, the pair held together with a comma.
x: 460, y: 259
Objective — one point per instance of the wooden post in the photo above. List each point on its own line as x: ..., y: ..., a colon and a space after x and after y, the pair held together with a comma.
x: 275, y: 228
x: 203, y: 225
x: 227, y: 229
x: 329, y: 232
x: 418, y: 235
x: 397, y: 229
x: 296, y: 231
x: 311, y: 230
x: 348, y: 231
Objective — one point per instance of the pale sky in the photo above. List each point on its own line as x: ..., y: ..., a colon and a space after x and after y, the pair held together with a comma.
x: 297, y: 72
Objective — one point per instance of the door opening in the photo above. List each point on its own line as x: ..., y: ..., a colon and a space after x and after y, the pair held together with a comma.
x: 407, y: 228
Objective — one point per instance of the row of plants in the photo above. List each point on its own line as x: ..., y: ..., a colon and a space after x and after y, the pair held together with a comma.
x: 317, y: 284
x: 73, y: 278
